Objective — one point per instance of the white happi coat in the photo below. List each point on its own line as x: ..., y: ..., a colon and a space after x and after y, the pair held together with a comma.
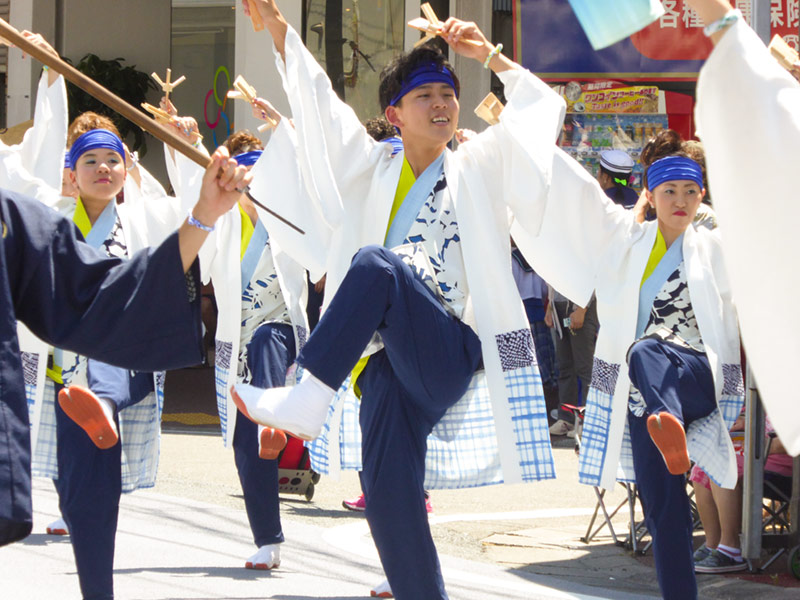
x: 220, y: 262
x: 145, y: 221
x: 585, y: 242
x: 147, y: 217
x: 748, y: 117
x: 34, y: 167
x: 498, y: 431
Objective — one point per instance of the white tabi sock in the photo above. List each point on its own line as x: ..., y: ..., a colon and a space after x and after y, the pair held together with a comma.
x: 267, y: 557
x: 382, y: 590
x: 58, y: 527
x: 299, y: 410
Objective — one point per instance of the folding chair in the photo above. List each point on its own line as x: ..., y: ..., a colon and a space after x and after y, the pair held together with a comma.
x: 777, y: 531
x: 635, y: 532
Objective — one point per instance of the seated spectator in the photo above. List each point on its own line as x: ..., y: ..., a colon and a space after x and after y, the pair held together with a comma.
x: 720, y: 509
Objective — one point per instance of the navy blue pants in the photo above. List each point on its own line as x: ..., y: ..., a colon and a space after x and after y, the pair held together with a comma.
x: 678, y: 381
x: 269, y: 354
x: 425, y: 367
x: 89, y: 480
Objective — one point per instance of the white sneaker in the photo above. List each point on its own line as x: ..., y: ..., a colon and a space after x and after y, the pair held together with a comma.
x: 58, y: 527
x: 560, y: 427
x: 268, y: 557
x: 300, y: 410
x: 382, y: 590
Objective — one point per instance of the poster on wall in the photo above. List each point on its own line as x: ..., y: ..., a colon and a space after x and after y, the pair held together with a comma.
x: 550, y: 42
x: 608, y: 115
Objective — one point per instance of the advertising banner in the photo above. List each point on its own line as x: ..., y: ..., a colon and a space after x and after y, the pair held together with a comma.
x: 550, y: 42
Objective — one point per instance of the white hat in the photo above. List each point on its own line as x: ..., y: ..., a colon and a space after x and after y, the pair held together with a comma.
x: 616, y: 161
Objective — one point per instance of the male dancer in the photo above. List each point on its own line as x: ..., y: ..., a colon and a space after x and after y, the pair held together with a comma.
x: 438, y: 206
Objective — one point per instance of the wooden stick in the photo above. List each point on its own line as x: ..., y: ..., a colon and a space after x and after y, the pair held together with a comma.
x: 91, y: 87
x: 168, y: 85
x: 783, y: 52
x: 159, y: 115
x: 245, y: 91
x: 431, y: 26
x: 431, y: 30
x: 163, y: 116
x: 489, y: 109
x: 427, y: 10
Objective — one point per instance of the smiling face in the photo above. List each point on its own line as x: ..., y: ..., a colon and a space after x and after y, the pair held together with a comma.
x: 428, y: 114
x: 676, y: 203
x: 99, y: 174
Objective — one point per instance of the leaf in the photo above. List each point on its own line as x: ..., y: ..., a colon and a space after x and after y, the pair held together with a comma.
x: 123, y: 80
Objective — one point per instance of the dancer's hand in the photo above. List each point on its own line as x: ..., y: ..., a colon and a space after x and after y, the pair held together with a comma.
x: 272, y: 18
x: 38, y: 40
x: 455, y: 31
x: 167, y: 106
x: 263, y: 111
x: 222, y: 185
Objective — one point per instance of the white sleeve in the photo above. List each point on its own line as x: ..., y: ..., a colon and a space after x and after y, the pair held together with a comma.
x: 748, y: 117
x: 332, y: 141
x: 42, y: 149
x: 279, y: 185
x: 562, y: 220
x: 15, y: 177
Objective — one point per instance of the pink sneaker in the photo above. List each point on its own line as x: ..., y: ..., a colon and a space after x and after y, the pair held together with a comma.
x: 360, y: 505
x: 357, y: 504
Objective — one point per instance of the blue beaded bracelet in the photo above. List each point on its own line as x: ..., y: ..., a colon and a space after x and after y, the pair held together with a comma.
x: 495, y: 51
x: 729, y: 19
x: 195, y: 223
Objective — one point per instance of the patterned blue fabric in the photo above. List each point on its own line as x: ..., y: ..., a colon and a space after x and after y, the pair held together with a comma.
x: 222, y: 362
x: 594, y: 439
x: 707, y: 439
x: 140, y: 430
x: 462, y: 448
x: 30, y: 366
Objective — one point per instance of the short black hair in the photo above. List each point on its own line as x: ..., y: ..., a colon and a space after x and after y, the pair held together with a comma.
x: 396, y: 73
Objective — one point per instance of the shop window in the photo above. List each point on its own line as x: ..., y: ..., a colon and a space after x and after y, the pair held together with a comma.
x: 353, y: 40
x: 203, y: 39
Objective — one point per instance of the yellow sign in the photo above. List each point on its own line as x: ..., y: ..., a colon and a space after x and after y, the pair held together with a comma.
x: 601, y: 97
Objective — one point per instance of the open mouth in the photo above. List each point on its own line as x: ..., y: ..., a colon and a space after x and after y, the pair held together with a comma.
x: 440, y: 120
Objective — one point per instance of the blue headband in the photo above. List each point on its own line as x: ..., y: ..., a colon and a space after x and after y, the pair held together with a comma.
x: 396, y: 142
x: 248, y: 159
x: 673, y: 168
x: 424, y: 73
x: 96, y: 138
x: 67, y: 162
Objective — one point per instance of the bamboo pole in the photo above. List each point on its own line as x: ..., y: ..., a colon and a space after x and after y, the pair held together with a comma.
x: 114, y: 102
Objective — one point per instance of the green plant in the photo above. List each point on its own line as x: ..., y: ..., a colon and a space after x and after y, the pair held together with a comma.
x: 125, y: 81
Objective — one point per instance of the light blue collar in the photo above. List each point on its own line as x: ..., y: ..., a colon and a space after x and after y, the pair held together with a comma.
x: 412, y: 203
x: 103, y: 226
x: 653, y: 284
x: 253, y: 253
